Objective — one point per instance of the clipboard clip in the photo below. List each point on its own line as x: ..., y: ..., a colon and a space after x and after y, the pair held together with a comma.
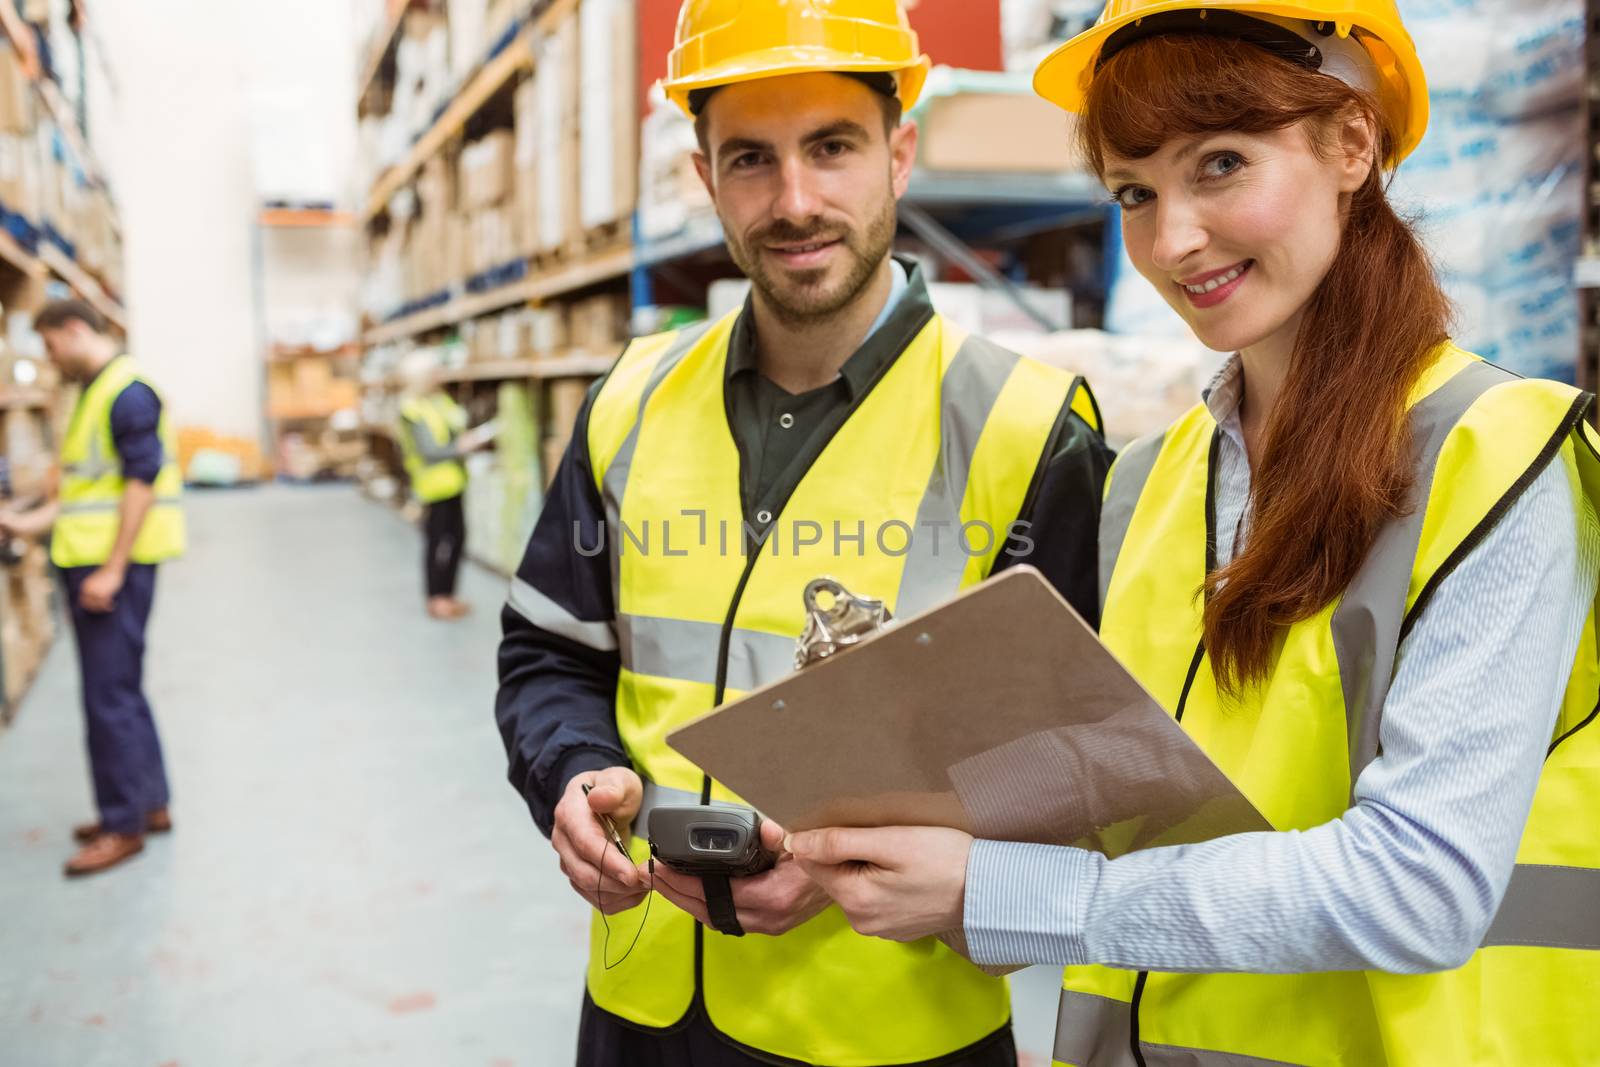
x: 847, y: 620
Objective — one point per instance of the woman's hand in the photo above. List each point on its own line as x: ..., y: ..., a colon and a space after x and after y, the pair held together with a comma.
x: 899, y: 882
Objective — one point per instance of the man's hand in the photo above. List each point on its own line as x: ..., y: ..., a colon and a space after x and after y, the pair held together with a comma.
x: 772, y: 903
x: 98, y: 594
x: 590, y: 861
x: 899, y: 882
x: 32, y: 524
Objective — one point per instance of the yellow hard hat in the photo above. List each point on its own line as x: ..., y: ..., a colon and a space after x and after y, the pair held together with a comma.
x: 1402, y: 89
x: 722, y: 42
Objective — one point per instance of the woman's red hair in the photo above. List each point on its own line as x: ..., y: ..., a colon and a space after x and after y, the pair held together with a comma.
x: 1335, y: 462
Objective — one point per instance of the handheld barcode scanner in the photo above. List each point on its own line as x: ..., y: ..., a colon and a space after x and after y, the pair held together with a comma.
x: 707, y: 840
x: 715, y: 845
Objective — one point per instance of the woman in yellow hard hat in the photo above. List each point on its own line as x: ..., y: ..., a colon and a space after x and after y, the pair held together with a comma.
x: 1361, y: 573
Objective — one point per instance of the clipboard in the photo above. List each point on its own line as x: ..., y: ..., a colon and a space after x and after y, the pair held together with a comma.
x: 999, y: 713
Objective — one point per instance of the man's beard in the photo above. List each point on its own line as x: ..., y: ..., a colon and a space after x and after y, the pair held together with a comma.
x: 799, y: 298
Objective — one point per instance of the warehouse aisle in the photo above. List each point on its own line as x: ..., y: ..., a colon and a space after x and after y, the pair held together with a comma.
x: 351, y: 880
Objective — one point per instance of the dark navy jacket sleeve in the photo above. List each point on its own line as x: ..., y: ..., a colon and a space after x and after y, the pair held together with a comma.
x: 1061, y: 536
x: 556, y: 707
x: 136, y: 432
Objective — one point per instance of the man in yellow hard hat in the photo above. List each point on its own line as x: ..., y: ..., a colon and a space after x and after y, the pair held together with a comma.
x: 835, y: 425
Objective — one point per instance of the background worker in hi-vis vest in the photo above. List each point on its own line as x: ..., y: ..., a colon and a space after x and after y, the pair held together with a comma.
x: 434, y: 440
x: 835, y: 425
x: 1360, y: 572
x: 116, y: 516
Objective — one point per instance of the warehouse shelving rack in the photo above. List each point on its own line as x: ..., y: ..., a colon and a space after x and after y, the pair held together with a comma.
x: 536, y: 280
x: 949, y: 214
x: 283, y: 221
x: 31, y: 264
x: 48, y: 261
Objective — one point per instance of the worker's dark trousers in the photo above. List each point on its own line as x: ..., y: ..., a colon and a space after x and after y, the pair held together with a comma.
x: 444, y: 538
x: 124, y: 751
x: 606, y: 1041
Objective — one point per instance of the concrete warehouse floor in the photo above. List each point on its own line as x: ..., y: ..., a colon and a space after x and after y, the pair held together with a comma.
x: 351, y: 879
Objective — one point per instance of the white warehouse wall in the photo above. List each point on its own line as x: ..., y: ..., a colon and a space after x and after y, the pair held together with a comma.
x: 210, y: 106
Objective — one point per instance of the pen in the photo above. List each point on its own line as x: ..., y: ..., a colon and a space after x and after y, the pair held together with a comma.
x: 610, y: 828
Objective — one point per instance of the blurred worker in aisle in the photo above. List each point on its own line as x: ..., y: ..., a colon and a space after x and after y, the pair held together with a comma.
x: 835, y: 425
x: 116, y: 516
x: 434, y: 439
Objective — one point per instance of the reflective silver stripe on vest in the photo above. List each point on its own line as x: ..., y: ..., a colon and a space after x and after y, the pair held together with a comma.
x: 1552, y: 907
x: 90, y: 471
x: 547, y: 615
x: 615, y: 481
x: 687, y: 651
x: 1366, y: 625
x: 936, y: 558
x: 93, y: 507
x: 659, y: 796
x: 1174, y: 1056
x: 96, y: 464
x: 1128, y: 478
x: 1095, y: 1031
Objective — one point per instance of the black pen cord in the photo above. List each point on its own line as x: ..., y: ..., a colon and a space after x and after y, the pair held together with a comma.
x: 605, y: 946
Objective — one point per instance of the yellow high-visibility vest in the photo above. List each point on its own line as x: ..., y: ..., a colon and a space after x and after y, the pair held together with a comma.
x: 92, y: 483
x: 444, y: 420
x: 950, y: 438
x: 1297, y: 743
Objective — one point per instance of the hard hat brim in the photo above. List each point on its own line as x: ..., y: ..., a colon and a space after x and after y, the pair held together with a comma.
x: 780, y: 62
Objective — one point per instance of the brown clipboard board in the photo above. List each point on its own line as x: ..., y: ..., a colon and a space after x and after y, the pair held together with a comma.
x: 999, y: 713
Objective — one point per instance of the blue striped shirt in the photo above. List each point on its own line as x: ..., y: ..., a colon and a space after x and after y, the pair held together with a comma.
x: 1409, y: 878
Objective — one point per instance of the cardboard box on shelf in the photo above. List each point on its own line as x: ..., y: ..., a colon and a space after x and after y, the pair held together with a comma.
x: 487, y: 170
x: 16, y: 101
x: 457, y: 265
x: 598, y: 323
x: 671, y: 195
x: 436, y: 187
x: 566, y: 400
x: 208, y: 445
x: 492, y: 245
x: 511, y: 334
x: 468, y: 30
x: 547, y: 329
x: 32, y: 179
x: 28, y: 593
x: 11, y: 180
x: 280, y: 386
x: 485, y: 344
x: 22, y: 656
x: 608, y: 110
x: 525, y: 163
x: 556, y: 77
x: 344, y: 394
x: 983, y: 123
x: 27, y: 452
x: 312, y: 378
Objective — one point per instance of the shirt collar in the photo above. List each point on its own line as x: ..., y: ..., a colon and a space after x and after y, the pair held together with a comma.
x: 1223, y: 396
x: 904, y: 315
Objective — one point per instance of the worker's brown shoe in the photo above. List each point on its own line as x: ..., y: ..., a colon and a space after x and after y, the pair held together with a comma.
x: 103, y: 853
x: 157, y: 822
